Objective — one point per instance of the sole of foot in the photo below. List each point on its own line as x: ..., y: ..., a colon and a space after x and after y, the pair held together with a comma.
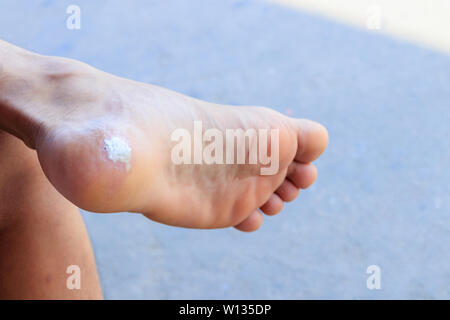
x: 105, y: 143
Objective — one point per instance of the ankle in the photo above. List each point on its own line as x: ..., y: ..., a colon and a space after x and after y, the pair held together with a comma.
x: 27, y: 83
x: 19, y: 88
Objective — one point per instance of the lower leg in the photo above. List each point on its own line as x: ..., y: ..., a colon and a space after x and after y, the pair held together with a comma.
x: 41, y: 233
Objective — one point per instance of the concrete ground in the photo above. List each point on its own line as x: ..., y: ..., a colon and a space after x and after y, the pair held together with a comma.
x: 382, y: 196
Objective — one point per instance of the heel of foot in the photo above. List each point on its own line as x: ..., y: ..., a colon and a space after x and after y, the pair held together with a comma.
x: 91, y: 169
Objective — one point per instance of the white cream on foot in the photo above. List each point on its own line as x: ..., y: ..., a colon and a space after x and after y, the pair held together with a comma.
x: 118, y: 150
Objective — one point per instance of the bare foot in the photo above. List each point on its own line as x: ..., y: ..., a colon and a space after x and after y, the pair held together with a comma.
x: 106, y: 143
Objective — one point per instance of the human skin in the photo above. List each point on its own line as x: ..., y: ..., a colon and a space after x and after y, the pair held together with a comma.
x: 65, y: 110
x: 41, y: 233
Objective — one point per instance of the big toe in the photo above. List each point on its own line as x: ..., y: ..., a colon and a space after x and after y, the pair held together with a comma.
x: 312, y: 139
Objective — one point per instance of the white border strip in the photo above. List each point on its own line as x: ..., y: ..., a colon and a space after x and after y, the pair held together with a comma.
x: 425, y: 22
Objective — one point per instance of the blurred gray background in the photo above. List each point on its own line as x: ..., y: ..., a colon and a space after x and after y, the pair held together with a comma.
x: 382, y: 195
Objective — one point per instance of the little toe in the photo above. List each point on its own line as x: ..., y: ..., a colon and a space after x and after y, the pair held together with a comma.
x: 251, y: 223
